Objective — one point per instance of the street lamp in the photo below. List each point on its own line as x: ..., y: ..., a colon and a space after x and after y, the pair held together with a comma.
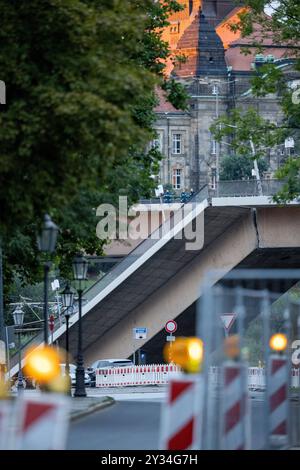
x: 67, y: 296
x: 46, y: 244
x: 80, y: 266
x: 18, y: 316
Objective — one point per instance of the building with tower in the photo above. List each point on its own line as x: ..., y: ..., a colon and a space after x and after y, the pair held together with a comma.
x: 217, y: 76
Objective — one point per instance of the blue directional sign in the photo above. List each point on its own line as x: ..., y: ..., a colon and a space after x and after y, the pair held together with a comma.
x: 140, y: 333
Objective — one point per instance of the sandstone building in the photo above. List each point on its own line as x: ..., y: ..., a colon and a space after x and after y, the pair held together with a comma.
x: 217, y: 76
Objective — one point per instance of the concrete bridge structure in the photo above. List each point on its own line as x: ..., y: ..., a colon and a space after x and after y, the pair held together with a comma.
x: 161, y: 280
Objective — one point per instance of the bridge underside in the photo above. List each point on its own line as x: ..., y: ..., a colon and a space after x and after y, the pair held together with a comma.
x: 169, y: 283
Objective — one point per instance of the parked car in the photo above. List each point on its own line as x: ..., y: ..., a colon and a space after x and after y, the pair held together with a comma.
x: 87, y: 380
x: 106, y: 364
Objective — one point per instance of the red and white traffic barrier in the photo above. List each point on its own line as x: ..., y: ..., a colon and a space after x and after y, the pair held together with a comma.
x: 152, y: 374
x: 235, y: 433
x: 41, y: 422
x: 295, y: 382
x: 256, y: 378
x: 278, y: 399
x: 182, y: 414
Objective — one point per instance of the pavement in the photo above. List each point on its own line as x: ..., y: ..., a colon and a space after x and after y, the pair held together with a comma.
x: 81, y: 407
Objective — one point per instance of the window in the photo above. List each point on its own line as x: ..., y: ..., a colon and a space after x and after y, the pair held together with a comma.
x: 157, y: 143
x: 174, y: 28
x: 214, y: 147
x: 177, y: 178
x: 177, y: 144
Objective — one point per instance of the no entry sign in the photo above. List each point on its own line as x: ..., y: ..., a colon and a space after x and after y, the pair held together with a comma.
x: 171, y: 326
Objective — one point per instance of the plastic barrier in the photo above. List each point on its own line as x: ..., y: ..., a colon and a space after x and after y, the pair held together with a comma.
x: 234, y: 407
x: 159, y: 374
x: 151, y: 374
x: 278, y: 399
x: 181, y: 414
x: 295, y: 383
x: 256, y: 378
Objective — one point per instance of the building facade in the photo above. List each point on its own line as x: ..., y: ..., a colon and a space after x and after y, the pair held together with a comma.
x: 217, y: 76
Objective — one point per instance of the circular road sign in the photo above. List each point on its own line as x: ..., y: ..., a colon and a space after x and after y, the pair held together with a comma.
x: 171, y: 326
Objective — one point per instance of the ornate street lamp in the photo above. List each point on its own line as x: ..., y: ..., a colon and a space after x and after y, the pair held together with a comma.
x: 67, y: 296
x: 18, y: 316
x: 80, y: 266
x: 46, y: 244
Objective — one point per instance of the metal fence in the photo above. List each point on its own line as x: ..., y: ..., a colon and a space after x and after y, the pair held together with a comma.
x: 260, y: 303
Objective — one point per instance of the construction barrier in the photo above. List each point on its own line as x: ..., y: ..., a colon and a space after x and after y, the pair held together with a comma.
x: 158, y: 374
x: 152, y: 374
x: 295, y: 382
x: 5, y: 416
x: 234, y: 407
x: 278, y: 399
x: 256, y: 378
x: 181, y: 414
x: 41, y: 422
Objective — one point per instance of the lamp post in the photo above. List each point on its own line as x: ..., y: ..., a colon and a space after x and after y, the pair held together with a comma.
x: 80, y: 265
x: 18, y: 316
x: 67, y: 296
x: 46, y: 244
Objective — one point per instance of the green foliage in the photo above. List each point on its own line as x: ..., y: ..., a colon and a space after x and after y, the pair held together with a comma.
x: 290, y: 173
x: 81, y: 79
x: 239, y: 167
x: 283, y: 27
x: 242, y: 127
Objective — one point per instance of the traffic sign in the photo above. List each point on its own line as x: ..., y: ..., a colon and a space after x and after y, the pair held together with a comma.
x: 171, y: 326
x: 140, y: 333
x: 228, y: 320
x: 171, y: 338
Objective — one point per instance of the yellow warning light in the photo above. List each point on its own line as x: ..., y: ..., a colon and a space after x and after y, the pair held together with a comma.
x: 278, y: 342
x: 186, y: 352
x: 42, y: 364
x: 4, y: 389
x: 232, y: 346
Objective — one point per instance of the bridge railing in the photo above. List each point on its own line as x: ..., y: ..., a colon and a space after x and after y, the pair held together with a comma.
x: 231, y: 188
x: 246, y: 188
x: 140, y: 250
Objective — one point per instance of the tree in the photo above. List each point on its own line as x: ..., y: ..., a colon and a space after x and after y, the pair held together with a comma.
x: 81, y: 80
x: 282, y: 26
x: 239, y: 167
x: 250, y: 137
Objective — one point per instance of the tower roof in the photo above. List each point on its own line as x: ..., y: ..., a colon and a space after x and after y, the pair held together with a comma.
x: 203, y: 50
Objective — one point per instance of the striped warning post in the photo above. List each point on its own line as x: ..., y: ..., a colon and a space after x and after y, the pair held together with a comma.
x: 41, y: 422
x: 278, y: 399
x: 181, y: 414
x: 5, y: 424
x: 234, y: 407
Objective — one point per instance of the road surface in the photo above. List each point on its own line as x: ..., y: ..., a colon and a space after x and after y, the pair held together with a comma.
x: 134, y: 425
